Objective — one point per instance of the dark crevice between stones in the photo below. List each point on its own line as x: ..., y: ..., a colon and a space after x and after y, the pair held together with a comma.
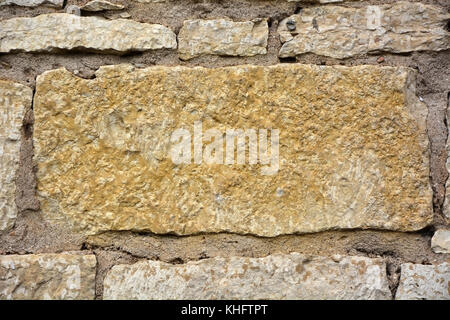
x: 393, y: 274
x: 288, y: 60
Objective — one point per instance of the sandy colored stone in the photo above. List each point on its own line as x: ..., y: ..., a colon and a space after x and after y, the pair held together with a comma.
x: 222, y: 37
x: 62, y: 31
x: 15, y: 99
x: 60, y: 276
x: 353, y: 149
x: 424, y: 282
x: 341, y: 32
x: 440, y: 243
x: 33, y: 3
x: 101, y: 5
x: 278, y: 276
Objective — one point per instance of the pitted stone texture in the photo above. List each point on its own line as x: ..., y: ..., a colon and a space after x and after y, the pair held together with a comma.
x: 62, y: 31
x: 100, y: 5
x: 292, y: 276
x: 15, y: 99
x: 446, y: 207
x: 47, y: 277
x: 424, y: 282
x: 440, y: 243
x: 341, y: 32
x: 222, y: 37
x: 353, y: 149
x: 33, y: 3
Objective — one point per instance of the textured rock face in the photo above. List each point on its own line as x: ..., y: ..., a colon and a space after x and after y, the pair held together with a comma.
x: 33, y: 3
x: 47, y: 276
x: 424, y: 282
x: 62, y: 31
x: 104, y: 149
x: 15, y: 99
x: 353, y: 151
x: 292, y: 276
x: 99, y: 5
x: 440, y: 243
x: 341, y: 32
x: 222, y: 37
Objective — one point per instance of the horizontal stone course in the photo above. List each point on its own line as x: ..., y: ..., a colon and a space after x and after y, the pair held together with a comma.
x: 342, y: 32
x: 222, y: 37
x: 60, y: 276
x: 62, y: 31
x: 424, y: 282
x: 105, y: 162
x: 278, y: 276
x: 15, y: 100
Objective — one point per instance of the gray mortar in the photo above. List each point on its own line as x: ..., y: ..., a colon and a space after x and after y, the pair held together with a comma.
x: 33, y: 235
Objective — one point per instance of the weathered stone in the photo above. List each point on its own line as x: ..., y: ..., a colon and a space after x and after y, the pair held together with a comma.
x: 101, y: 5
x: 15, y: 99
x: 33, y: 3
x: 446, y: 207
x: 278, y: 276
x: 342, y: 32
x: 47, y: 276
x: 353, y: 149
x: 440, y: 243
x: 424, y: 282
x: 62, y: 31
x: 222, y: 37
x: 318, y: 1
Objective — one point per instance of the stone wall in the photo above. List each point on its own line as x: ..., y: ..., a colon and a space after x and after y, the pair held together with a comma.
x: 234, y: 149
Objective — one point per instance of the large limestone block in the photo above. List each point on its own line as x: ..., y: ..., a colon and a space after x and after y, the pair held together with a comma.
x: 351, y: 151
x: 62, y: 31
x: 15, y: 99
x: 33, y: 3
x: 222, y: 37
x: 424, y: 282
x: 47, y: 276
x: 291, y: 276
x: 342, y: 32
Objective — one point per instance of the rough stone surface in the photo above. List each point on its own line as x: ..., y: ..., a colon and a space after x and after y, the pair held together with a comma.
x: 62, y: 31
x: 446, y: 207
x: 353, y: 149
x: 440, y: 243
x: 100, y: 5
x: 278, y: 276
x: 222, y: 37
x: 47, y: 276
x: 33, y: 3
x: 15, y: 99
x: 424, y: 282
x: 341, y: 32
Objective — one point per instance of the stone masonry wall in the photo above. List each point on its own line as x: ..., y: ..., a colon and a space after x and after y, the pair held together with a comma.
x: 233, y: 149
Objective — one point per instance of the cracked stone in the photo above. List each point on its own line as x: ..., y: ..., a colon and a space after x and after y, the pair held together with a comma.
x: 342, y: 32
